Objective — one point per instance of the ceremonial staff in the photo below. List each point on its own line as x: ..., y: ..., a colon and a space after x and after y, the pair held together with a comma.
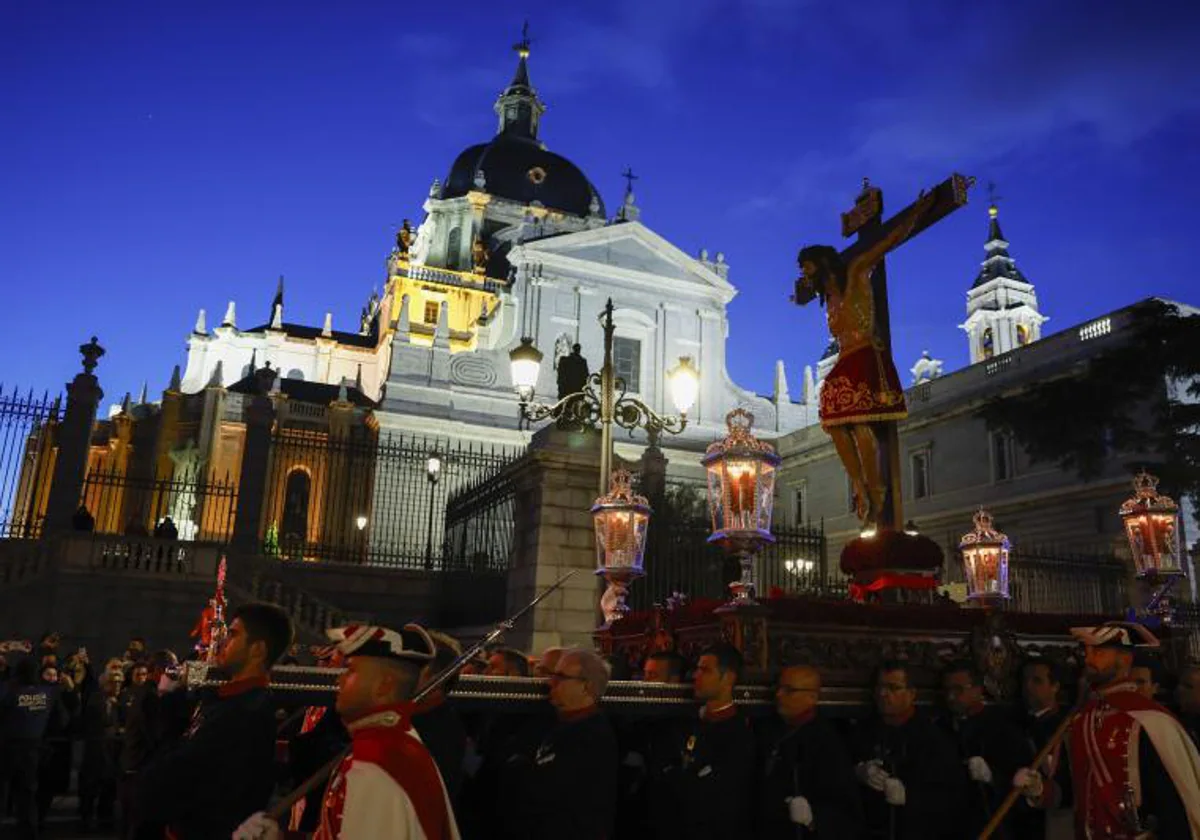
x: 284, y: 805
x: 1043, y: 754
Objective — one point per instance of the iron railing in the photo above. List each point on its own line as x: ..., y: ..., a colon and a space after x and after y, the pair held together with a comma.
x: 189, y: 506
x: 366, y: 499
x: 1054, y: 579
x: 27, y: 440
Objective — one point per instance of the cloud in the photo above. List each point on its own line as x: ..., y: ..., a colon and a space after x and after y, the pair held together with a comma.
x: 1102, y: 80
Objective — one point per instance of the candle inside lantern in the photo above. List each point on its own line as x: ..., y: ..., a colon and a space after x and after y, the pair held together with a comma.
x: 741, y: 496
x: 619, y: 542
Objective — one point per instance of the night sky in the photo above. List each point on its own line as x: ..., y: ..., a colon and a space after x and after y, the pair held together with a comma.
x: 159, y: 157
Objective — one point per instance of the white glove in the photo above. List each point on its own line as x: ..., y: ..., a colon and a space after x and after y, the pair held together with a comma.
x: 872, y: 774
x: 893, y: 791
x: 634, y: 759
x: 258, y: 827
x: 799, y: 810
x: 978, y: 770
x: 1030, y: 783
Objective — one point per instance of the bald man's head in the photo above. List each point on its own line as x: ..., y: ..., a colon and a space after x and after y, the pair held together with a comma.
x: 798, y: 691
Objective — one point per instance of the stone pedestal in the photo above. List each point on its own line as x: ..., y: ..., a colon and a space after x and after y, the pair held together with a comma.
x: 74, y: 437
x: 555, y: 487
x: 252, y: 479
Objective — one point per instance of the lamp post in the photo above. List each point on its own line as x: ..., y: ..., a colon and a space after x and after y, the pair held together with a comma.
x: 985, y: 561
x: 599, y: 400
x: 433, y: 472
x: 621, y: 520
x: 360, y: 522
x: 1152, y: 526
x: 741, y: 498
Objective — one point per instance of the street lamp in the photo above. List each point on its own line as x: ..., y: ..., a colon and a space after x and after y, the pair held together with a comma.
x: 741, y: 498
x: 985, y: 561
x: 361, y: 522
x: 598, y: 399
x: 433, y: 472
x: 621, y: 520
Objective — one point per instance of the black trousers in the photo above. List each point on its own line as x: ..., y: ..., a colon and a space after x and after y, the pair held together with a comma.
x: 19, y: 777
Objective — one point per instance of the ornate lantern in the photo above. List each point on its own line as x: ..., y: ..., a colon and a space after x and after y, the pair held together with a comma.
x: 741, y: 497
x: 985, y: 561
x: 1152, y: 526
x: 622, y: 520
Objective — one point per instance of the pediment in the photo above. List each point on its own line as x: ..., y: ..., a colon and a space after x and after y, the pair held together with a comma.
x: 631, y: 247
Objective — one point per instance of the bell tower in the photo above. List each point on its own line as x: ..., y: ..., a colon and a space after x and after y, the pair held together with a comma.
x: 1002, y: 307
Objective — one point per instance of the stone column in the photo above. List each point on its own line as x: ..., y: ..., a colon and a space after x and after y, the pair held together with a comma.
x: 74, y: 436
x: 555, y: 488
x: 252, y: 479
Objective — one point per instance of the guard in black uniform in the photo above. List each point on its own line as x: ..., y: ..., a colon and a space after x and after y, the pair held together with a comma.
x: 910, y: 778
x: 990, y: 747
x: 223, y: 769
x: 438, y: 722
x: 562, y: 783
x: 806, y: 786
x: 709, y: 774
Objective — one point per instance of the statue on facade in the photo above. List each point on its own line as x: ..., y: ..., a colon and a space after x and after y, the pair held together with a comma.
x: 572, y: 373
x: 404, y: 239
x: 479, y: 256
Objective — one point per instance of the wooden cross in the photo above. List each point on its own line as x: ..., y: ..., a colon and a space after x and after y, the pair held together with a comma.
x: 865, y: 221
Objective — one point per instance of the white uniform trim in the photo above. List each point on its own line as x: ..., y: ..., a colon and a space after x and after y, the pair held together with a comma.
x: 376, y: 807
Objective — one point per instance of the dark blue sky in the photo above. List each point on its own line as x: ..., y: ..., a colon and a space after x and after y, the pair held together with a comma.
x: 163, y: 156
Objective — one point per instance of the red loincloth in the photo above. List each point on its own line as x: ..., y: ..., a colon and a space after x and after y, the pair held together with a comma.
x: 863, y: 387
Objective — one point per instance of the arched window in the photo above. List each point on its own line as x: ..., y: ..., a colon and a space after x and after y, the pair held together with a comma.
x: 295, y: 507
x: 295, y: 373
x: 453, y: 246
x: 987, y: 344
x: 1022, y: 335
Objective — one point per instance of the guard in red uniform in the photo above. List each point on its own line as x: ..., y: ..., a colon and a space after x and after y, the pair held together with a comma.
x: 1133, y: 769
x: 389, y: 786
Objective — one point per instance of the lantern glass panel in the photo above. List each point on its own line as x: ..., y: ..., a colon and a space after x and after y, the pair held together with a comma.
x: 716, y: 497
x: 741, y: 483
x: 766, y: 495
x: 620, y: 538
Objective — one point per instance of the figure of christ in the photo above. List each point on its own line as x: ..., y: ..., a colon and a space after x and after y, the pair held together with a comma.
x: 863, y: 388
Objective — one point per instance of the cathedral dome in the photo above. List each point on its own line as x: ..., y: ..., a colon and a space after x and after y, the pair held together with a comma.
x: 519, y: 169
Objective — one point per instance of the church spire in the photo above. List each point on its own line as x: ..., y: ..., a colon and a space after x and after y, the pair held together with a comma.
x: 1002, y: 307
x: 277, y: 306
x: 519, y: 107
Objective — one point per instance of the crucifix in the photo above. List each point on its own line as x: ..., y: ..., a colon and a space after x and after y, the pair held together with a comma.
x: 862, y: 399
x: 629, y: 179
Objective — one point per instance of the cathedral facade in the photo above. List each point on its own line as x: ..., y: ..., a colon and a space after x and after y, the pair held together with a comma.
x: 515, y: 242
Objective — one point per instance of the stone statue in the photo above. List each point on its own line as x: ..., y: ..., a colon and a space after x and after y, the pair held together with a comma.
x: 562, y: 346
x: 572, y: 373
x: 479, y: 255
x: 404, y: 239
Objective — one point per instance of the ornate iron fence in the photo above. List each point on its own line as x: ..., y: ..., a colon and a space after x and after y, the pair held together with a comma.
x: 190, y: 505
x: 27, y: 429
x: 380, y: 501
x: 1054, y: 579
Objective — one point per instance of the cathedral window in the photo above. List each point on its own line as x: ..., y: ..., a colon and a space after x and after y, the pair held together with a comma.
x: 987, y: 344
x: 919, y: 470
x: 801, y: 509
x: 627, y: 359
x: 296, y: 373
x: 432, y: 310
x: 1022, y: 335
x: 453, y: 247
x: 1002, y: 457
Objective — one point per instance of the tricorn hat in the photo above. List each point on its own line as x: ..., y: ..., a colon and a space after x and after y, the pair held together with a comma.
x: 1127, y: 635
x: 409, y: 644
